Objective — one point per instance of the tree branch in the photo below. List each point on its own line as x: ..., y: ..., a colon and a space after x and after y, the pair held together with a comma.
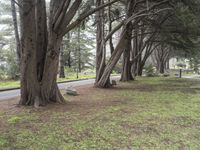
x: 83, y: 16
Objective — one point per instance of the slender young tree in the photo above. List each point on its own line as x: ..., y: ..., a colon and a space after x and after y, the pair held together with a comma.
x: 16, y: 30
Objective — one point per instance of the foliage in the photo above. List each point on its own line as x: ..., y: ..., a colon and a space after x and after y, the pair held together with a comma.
x: 9, y: 69
x: 149, y: 70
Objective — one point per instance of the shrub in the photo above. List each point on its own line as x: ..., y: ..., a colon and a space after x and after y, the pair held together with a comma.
x: 149, y: 71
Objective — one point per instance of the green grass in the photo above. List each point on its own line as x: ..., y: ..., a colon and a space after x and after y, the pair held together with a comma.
x: 9, y: 84
x: 146, y: 114
x: 74, y: 77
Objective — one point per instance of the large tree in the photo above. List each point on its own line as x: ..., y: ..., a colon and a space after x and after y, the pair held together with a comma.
x: 41, y: 46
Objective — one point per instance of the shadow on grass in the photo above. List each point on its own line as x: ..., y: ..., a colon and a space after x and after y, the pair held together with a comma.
x: 181, y: 85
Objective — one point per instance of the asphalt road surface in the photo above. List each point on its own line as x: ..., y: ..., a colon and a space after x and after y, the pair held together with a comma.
x: 14, y: 93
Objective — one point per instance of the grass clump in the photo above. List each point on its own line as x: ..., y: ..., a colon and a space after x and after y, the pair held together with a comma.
x: 14, y: 120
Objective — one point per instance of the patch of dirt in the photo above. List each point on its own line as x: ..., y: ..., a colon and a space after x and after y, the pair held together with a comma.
x: 185, y: 122
x: 141, y: 128
x: 89, y: 98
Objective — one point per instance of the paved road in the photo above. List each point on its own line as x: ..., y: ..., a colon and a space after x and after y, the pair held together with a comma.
x: 14, y: 93
x: 191, y: 77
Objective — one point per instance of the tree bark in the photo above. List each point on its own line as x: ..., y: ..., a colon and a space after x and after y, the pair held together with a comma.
x: 135, y: 53
x: 126, y: 74
x: 110, y: 29
x: 100, y: 50
x: 62, y: 63
x: 40, y: 58
x: 30, y: 87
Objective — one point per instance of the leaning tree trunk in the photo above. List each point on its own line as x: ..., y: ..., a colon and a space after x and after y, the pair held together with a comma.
x: 102, y: 83
x: 123, y: 42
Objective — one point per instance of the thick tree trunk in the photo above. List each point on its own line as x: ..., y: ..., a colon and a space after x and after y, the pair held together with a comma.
x: 30, y: 88
x: 17, y: 38
x: 39, y: 65
x: 126, y: 74
x: 50, y: 91
x: 42, y: 36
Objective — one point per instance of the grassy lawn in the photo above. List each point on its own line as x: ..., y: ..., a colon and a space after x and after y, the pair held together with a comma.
x: 146, y: 114
x: 9, y: 84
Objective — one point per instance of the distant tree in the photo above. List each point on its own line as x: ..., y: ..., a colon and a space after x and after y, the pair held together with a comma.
x: 16, y: 30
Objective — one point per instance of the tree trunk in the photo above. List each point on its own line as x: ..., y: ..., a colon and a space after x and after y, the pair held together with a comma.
x: 162, y: 67
x: 123, y: 42
x: 126, y: 74
x: 69, y: 50
x: 62, y: 63
x: 39, y: 65
x: 102, y: 83
x: 79, y: 49
x: 110, y: 29
x: 100, y: 50
x: 17, y: 38
x: 50, y: 91
x: 140, y: 69
x: 30, y: 87
x: 135, y: 53
x: 139, y: 66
